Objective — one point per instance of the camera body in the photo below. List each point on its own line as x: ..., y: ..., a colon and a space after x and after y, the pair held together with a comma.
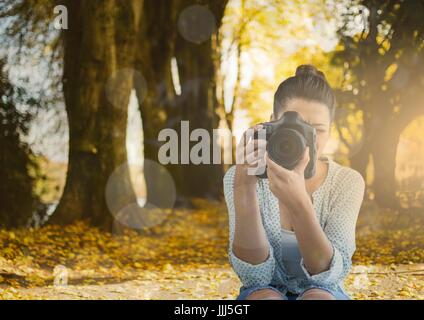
x: 287, y: 139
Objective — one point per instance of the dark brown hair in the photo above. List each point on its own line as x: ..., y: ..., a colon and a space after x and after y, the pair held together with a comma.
x: 308, y: 83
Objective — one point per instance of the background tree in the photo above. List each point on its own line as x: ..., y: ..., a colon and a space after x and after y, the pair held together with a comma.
x: 102, y: 40
x: 99, y: 46
x: 155, y: 49
x: 197, y: 69
x: 163, y: 107
x: 17, y: 199
x: 184, y: 76
x: 382, y: 63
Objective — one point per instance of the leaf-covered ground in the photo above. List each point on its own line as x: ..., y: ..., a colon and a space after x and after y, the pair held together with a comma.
x: 186, y: 258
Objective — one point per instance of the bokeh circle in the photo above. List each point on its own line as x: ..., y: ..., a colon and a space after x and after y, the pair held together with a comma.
x: 134, y: 214
x: 196, y: 23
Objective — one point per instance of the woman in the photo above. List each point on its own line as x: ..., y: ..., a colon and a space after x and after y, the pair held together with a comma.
x: 292, y: 238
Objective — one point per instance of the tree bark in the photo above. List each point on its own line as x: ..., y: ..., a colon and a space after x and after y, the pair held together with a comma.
x: 360, y: 160
x: 199, y: 108
x: 198, y: 78
x: 378, y: 97
x: 383, y: 152
x: 98, y: 45
x: 155, y: 50
x: 163, y: 108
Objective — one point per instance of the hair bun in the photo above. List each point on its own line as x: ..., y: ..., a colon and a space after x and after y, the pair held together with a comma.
x: 308, y: 70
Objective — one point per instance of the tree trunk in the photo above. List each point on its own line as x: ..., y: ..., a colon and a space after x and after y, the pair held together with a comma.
x: 197, y: 75
x: 162, y: 108
x: 360, y: 160
x: 153, y: 60
x: 389, y: 104
x: 98, y: 46
x: 383, y: 152
x: 383, y: 136
x: 197, y: 72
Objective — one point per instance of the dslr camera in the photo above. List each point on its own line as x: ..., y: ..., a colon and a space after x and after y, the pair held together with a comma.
x: 287, y: 139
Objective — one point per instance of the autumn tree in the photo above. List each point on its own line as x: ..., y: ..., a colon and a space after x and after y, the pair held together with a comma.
x: 162, y: 106
x: 17, y: 198
x: 104, y: 43
x: 382, y: 63
x: 99, y: 49
x: 95, y: 56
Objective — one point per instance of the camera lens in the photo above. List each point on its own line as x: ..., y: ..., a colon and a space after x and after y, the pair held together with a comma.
x: 285, y: 147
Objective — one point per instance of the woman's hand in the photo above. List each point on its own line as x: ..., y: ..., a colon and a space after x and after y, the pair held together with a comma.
x: 250, y: 242
x: 250, y: 157
x: 290, y: 189
x: 289, y: 185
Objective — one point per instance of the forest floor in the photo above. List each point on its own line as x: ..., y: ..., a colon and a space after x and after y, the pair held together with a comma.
x: 186, y: 258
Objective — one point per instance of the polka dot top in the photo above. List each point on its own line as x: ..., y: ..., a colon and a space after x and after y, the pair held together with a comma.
x: 336, y: 202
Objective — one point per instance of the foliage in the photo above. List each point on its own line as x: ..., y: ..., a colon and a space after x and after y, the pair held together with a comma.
x: 270, y: 41
x: 26, y: 25
x: 377, y: 73
x: 17, y: 199
x: 381, y: 57
x: 186, y: 257
x: 381, y: 46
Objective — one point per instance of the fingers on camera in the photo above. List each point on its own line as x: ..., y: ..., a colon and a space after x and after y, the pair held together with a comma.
x: 249, y: 149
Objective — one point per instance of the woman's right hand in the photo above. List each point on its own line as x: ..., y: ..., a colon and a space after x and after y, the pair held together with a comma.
x: 250, y: 157
x: 250, y: 242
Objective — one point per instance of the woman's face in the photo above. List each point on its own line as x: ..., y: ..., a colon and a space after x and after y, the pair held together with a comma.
x: 314, y: 113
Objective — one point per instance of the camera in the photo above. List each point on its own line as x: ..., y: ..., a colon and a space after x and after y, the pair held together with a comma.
x: 287, y: 139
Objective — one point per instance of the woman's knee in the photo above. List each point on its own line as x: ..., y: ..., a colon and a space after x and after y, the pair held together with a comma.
x: 265, y: 294
x: 317, y: 294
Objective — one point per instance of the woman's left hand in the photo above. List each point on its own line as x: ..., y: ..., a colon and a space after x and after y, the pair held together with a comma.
x: 288, y: 185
